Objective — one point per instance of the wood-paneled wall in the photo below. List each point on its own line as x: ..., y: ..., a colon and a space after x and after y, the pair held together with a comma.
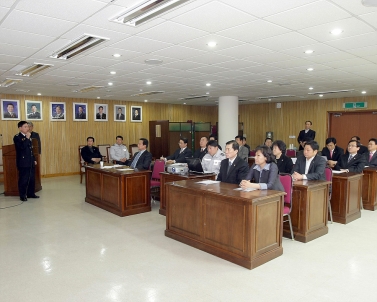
x: 60, y: 140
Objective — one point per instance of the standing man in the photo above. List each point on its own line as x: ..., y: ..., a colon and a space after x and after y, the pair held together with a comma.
x: 142, y: 159
x: 10, y: 111
x: 80, y: 115
x: 203, y: 148
x: 211, y: 162
x: 245, y: 144
x: 120, y: 116
x: 243, y: 152
x: 34, y: 114
x: 119, y: 152
x: 25, y: 162
x: 35, y: 135
x: 100, y: 115
x: 372, y: 156
x: 353, y: 161
x: 233, y: 169
x: 306, y: 135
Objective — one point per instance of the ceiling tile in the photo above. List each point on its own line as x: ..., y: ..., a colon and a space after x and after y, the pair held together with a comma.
x: 364, y: 51
x: 335, y: 56
x: 347, y: 63
x: 285, y: 41
x: 10, y: 59
x: 243, y: 51
x: 369, y: 39
x: 222, y: 43
x: 370, y: 18
x: 372, y: 58
x: 207, y: 17
x: 94, y: 61
x: 179, y: 52
x: 7, y: 3
x: 184, y: 65
x: 354, y: 7
x: 19, y: 51
x: 3, y: 12
x: 24, y: 39
x: 210, y: 58
x: 318, y: 48
x: 108, y: 52
x: 140, y: 44
x: 237, y: 64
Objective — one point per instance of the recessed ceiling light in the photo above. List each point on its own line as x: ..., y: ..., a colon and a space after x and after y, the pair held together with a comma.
x: 212, y: 44
x: 98, y: 97
x: 207, y: 92
x: 309, y: 51
x: 116, y: 55
x: 269, y: 81
x: 184, y: 103
x: 110, y: 84
x: 113, y: 72
x: 321, y: 95
x: 149, y: 82
x: 39, y: 93
x: 269, y: 100
x: 208, y: 84
x: 310, y: 69
x: 336, y: 31
x: 311, y: 88
x: 145, y: 101
x: 364, y: 92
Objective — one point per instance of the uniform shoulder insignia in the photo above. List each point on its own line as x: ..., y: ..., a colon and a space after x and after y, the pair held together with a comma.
x: 222, y: 153
x: 17, y: 134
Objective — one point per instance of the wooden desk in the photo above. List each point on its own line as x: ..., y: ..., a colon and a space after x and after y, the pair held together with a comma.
x: 369, y: 191
x: 251, y: 160
x: 346, y: 196
x: 309, y: 210
x: 120, y: 192
x: 242, y: 227
x: 168, y: 177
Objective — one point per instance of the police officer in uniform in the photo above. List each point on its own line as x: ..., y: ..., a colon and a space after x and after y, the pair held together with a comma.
x: 25, y: 162
x: 212, y: 160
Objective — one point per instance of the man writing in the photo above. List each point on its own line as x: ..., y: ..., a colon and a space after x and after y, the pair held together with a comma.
x: 25, y: 162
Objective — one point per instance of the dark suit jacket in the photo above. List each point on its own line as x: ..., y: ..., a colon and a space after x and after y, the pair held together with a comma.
x: 81, y: 116
x: 373, y: 161
x: 144, y: 161
x: 238, y: 171
x: 180, y: 157
x: 35, y: 135
x: 24, y: 151
x: 136, y: 117
x: 302, y: 135
x: 87, y: 155
x: 98, y: 116
x: 8, y: 115
x: 316, y: 168
x: 356, y: 164
x: 199, y: 154
x: 34, y: 115
x: 120, y: 118
x: 338, y: 152
x: 269, y: 177
x: 284, y: 164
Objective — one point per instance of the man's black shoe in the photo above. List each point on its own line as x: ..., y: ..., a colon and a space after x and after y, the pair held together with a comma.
x: 33, y: 196
x: 23, y: 198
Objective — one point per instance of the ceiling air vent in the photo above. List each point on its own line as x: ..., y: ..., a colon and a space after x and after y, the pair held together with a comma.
x: 33, y: 69
x: 9, y: 82
x: 78, y: 46
x: 275, y: 97
x: 147, y: 93
x: 192, y: 97
x: 22, y: 90
x: 328, y: 92
x: 145, y: 10
x: 88, y: 89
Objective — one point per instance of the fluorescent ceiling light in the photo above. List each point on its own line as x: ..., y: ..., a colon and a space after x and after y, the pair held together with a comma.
x: 9, y: 82
x: 145, y: 10
x: 33, y: 69
x: 89, y: 89
x: 147, y: 93
x: 77, y: 47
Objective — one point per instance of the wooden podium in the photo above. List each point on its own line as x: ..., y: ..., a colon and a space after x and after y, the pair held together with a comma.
x: 11, y: 171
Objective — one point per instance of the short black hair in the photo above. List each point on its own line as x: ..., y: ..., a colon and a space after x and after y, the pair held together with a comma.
x: 357, y: 137
x: 145, y: 141
x: 358, y: 144
x: 331, y: 140
x: 234, y: 144
x: 268, y: 138
x: 205, y: 137
x: 10, y: 104
x: 120, y: 108
x: 81, y: 107
x: 281, y: 145
x: 214, y: 136
x: 212, y: 143
x: 267, y: 153
x: 373, y: 140
x: 184, y: 139
x: 244, y: 138
x: 309, y: 122
x: 21, y: 123
x: 90, y: 137
x: 313, y: 144
x: 100, y: 107
x: 119, y: 136
x: 239, y: 136
x: 33, y: 105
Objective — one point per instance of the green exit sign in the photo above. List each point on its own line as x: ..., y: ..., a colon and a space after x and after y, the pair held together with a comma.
x: 355, y: 105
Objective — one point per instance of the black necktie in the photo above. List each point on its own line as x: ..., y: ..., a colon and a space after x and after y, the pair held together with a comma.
x: 230, y: 164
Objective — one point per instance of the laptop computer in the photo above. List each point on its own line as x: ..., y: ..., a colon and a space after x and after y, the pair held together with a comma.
x: 195, y: 166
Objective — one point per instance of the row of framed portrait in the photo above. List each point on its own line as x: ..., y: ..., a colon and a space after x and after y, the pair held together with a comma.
x: 11, y: 111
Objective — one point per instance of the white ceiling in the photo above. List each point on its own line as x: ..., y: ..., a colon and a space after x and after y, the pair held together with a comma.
x: 256, y: 41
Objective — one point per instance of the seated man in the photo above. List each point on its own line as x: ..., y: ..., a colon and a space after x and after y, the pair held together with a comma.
x: 203, y: 148
x: 362, y: 149
x: 372, y: 148
x: 332, y: 151
x: 353, y: 161
x: 119, y: 152
x: 211, y: 162
x: 90, y: 153
x: 180, y: 154
x: 142, y: 159
x: 310, y: 165
x: 268, y: 142
x: 243, y: 152
x: 213, y: 137
x: 233, y: 168
x: 244, y: 143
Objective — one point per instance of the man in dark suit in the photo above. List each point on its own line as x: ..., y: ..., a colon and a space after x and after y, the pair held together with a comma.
x: 90, y: 153
x: 332, y: 151
x: 80, y: 115
x: 35, y: 135
x: 310, y: 166
x: 372, y: 157
x: 180, y: 154
x: 136, y: 115
x: 233, y: 169
x: 10, y: 112
x: 142, y: 159
x: 353, y: 161
x: 25, y: 162
x: 100, y: 115
x: 199, y: 153
x: 244, y: 143
x: 34, y: 114
x: 120, y: 116
x: 362, y: 150
x: 306, y: 135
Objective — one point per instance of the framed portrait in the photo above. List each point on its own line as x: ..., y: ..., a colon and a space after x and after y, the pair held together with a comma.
x: 33, y: 110
x: 119, y: 113
x: 10, y: 110
x: 57, y: 111
x: 100, y: 112
x: 80, y: 112
x: 136, y: 114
